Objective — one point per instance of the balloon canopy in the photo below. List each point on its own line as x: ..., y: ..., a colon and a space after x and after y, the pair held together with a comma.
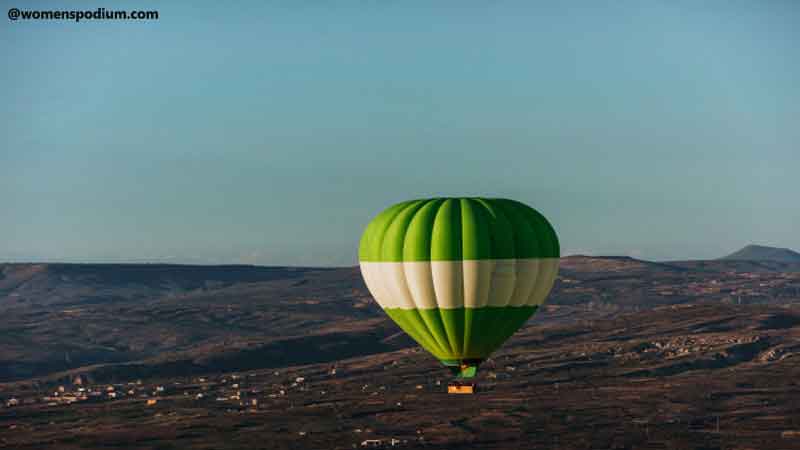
x: 459, y: 275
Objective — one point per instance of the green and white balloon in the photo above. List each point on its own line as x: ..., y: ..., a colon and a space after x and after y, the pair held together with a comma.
x: 459, y: 275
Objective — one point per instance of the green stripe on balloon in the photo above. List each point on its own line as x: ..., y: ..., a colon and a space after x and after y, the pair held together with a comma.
x: 474, y: 231
x: 474, y: 346
x: 448, y: 229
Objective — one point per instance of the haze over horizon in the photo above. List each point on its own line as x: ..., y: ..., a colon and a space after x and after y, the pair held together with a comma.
x: 271, y: 134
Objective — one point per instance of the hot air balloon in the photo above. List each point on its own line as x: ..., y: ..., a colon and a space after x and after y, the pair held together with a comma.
x: 459, y: 275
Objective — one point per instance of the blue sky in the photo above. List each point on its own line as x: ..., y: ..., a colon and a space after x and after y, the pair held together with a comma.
x: 272, y: 132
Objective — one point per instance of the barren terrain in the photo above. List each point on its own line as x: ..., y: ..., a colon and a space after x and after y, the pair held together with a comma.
x: 627, y: 354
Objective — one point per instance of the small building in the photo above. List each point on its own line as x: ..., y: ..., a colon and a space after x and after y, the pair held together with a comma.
x: 461, y: 389
x: 372, y: 443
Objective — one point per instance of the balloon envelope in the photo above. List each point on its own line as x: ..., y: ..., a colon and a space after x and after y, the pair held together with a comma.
x: 459, y: 275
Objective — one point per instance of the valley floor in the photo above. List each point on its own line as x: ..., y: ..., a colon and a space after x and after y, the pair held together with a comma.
x: 675, y: 377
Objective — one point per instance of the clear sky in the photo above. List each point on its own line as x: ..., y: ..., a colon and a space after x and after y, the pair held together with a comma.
x: 272, y: 132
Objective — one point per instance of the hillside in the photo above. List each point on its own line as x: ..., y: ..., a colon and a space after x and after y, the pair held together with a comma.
x: 692, y: 376
x: 62, y: 317
x: 763, y: 253
x: 625, y: 354
x: 51, y: 285
x: 110, y: 321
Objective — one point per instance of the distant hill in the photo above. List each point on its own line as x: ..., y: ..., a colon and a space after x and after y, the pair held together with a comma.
x: 605, y: 265
x: 763, y: 253
x: 72, y: 284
